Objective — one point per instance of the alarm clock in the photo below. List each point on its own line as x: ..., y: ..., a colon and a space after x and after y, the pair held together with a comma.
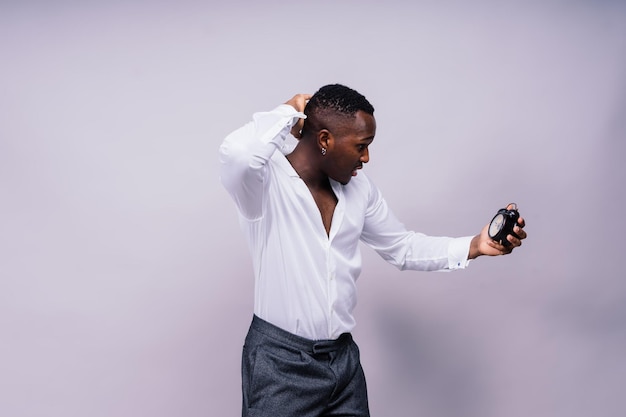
x: 502, y: 224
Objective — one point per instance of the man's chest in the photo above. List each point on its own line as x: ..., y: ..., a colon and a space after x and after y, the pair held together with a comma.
x: 339, y: 214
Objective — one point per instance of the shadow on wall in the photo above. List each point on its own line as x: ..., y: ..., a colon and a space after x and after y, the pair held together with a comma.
x: 433, y: 371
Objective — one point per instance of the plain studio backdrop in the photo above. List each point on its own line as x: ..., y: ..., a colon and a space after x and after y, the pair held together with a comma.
x: 126, y: 285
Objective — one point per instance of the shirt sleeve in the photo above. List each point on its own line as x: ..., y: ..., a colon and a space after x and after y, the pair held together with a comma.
x: 244, y: 154
x: 407, y: 249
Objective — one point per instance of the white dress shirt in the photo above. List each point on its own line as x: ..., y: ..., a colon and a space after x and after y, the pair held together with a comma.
x: 305, y: 280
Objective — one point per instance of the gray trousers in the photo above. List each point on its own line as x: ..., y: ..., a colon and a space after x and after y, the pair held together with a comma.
x: 284, y: 375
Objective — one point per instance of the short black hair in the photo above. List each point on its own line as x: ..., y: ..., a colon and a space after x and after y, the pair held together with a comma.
x: 332, y: 103
x: 340, y: 99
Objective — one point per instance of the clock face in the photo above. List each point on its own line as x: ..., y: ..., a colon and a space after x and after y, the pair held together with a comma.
x: 496, y: 225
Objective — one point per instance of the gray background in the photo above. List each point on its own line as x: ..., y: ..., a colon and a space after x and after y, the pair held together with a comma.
x: 126, y: 287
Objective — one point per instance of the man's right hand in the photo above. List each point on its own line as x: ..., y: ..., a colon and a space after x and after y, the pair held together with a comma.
x: 298, y: 102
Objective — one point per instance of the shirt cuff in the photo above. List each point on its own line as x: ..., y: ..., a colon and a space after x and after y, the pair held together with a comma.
x: 458, y: 251
x: 282, y: 118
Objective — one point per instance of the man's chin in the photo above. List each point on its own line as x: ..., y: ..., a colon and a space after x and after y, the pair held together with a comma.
x: 344, y: 181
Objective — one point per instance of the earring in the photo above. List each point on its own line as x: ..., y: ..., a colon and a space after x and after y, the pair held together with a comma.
x: 323, y: 151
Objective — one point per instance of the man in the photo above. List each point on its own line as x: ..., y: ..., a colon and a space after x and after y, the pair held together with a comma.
x: 304, y: 210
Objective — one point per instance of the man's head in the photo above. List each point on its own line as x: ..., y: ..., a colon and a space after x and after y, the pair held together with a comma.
x: 340, y: 123
x: 332, y: 103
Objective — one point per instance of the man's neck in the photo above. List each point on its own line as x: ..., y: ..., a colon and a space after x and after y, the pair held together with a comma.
x: 304, y: 162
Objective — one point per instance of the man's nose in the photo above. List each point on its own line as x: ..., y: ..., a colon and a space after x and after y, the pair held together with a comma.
x: 365, y: 158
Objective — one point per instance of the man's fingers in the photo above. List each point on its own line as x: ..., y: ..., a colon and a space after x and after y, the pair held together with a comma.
x: 299, y: 101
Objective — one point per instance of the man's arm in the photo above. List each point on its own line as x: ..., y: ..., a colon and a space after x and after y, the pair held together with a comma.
x: 416, y: 251
x: 245, y: 152
x: 406, y: 249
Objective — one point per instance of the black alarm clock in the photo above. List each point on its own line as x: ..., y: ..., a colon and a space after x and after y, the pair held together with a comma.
x: 502, y: 224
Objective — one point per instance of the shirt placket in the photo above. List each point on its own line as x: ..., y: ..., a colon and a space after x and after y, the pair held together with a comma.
x: 331, y: 288
x: 331, y: 266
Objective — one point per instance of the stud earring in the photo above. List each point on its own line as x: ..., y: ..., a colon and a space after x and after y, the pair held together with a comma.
x: 323, y: 151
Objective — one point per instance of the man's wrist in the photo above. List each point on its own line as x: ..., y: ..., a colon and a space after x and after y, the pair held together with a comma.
x: 474, y: 248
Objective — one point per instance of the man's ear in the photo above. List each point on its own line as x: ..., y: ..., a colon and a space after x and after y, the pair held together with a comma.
x: 324, y: 138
